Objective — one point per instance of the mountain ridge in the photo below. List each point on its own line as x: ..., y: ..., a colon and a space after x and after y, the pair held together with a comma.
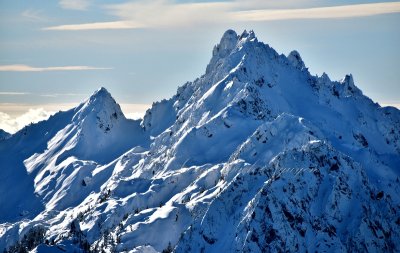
x: 256, y: 154
x: 4, y: 134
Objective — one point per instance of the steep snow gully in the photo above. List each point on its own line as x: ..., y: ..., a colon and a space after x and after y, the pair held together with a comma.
x: 256, y: 155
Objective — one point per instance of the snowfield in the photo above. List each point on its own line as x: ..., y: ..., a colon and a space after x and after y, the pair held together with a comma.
x: 256, y: 155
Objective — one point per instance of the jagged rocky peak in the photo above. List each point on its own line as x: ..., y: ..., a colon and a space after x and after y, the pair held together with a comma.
x: 230, y: 40
x: 349, y: 87
x: 325, y: 78
x: 102, y: 105
x: 248, y: 35
x: 348, y: 80
x: 295, y: 59
x: 225, y: 57
x: 227, y: 43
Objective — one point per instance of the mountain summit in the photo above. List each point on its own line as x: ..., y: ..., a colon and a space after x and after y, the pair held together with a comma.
x: 102, y: 104
x: 256, y: 155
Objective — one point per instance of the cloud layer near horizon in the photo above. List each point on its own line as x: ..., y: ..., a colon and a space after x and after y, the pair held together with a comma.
x: 17, y: 116
x: 13, y: 124
x: 14, y: 117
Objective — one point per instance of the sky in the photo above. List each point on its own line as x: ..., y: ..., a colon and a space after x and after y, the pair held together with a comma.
x: 54, y: 54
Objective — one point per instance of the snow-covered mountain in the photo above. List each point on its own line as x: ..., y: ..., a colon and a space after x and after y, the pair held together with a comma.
x: 4, y: 134
x: 256, y: 155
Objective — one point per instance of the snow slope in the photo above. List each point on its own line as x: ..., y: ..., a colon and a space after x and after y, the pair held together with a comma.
x: 44, y: 158
x: 256, y: 155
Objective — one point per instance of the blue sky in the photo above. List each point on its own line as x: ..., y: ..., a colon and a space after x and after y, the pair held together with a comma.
x: 54, y: 54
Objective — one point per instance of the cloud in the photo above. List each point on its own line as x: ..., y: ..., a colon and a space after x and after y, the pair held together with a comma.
x: 96, y: 26
x: 13, y: 124
x: 150, y: 14
x: 391, y: 103
x: 344, y: 11
x: 134, y: 111
x: 17, y: 109
x: 75, y: 4
x: 168, y: 13
x: 26, y: 68
x: 12, y: 93
x: 62, y: 94
x: 162, y: 13
x: 14, y: 116
x: 134, y: 115
x: 33, y: 15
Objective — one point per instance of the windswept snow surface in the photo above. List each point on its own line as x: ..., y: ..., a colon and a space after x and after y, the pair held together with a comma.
x: 256, y: 155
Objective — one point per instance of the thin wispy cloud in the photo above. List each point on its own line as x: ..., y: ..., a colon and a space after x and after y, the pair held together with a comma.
x: 33, y: 15
x: 12, y: 93
x: 96, y: 26
x: 150, y: 14
x: 344, y: 11
x: 75, y: 4
x: 62, y: 94
x: 27, y: 68
x: 167, y: 13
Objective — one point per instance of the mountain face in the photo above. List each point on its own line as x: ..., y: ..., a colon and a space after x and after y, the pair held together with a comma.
x: 256, y: 155
x: 4, y: 134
